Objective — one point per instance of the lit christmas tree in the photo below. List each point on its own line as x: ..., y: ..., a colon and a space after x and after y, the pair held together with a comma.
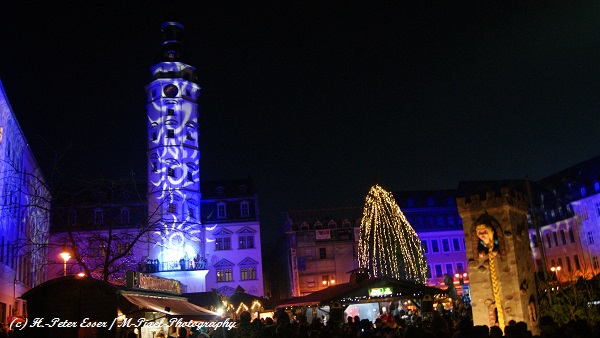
x: 388, y: 245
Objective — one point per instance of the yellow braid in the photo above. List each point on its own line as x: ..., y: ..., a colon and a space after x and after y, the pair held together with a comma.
x: 496, y: 289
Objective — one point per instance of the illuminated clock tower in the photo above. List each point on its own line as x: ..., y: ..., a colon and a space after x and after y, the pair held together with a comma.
x: 173, y: 157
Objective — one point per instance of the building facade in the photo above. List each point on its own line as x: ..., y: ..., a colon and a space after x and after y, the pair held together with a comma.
x: 24, y: 215
x: 565, y: 207
x: 204, y: 234
x: 323, y: 244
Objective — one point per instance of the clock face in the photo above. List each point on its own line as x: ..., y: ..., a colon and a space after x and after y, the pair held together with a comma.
x: 171, y: 90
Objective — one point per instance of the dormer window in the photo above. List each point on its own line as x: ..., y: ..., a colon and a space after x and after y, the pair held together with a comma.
x: 98, y: 216
x: 170, y: 133
x: 221, y: 210
x: 124, y: 216
x: 243, y: 189
x: 244, y: 209
x: 220, y: 190
x: 170, y: 112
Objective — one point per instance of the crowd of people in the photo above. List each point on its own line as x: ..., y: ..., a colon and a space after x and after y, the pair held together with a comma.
x: 438, y: 325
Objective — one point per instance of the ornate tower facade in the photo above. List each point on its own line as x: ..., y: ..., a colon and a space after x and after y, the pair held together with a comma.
x: 500, y: 267
x: 173, y: 154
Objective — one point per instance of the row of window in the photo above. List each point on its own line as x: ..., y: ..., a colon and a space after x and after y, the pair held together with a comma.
x: 244, y: 242
x: 447, y: 245
x: 222, y: 209
x: 99, y: 217
x: 226, y: 275
x: 449, y: 269
x: 552, y: 238
x: 437, y: 222
x: 569, y: 265
x: 189, y: 134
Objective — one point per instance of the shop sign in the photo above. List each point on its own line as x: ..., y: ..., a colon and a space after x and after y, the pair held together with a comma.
x: 379, y: 292
x: 149, y: 282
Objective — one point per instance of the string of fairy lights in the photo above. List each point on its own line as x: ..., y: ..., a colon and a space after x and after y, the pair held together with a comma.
x: 388, y: 244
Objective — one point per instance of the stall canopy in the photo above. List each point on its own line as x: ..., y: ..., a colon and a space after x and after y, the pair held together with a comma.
x: 367, y: 290
x: 169, y: 305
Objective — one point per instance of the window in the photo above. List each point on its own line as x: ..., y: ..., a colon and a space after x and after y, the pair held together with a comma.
x: 577, y: 263
x: 449, y: 269
x: 590, y: 237
x: 568, y: 259
x: 98, y: 217
x: 248, y: 273
x: 445, y: 244
x: 224, y: 275
x: 191, y: 211
x: 244, y: 209
x: 583, y: 193
x: 121, y: 248
x: 434, y: 246
x: 428, y: 271
x: 223, y: 243
x: 424, y: 246
x: 154, y: 167
x: 221, y: 210
x: 170, y: 133
x: 246, y: 242
x: 456, y: 244
x: 438, y: 271
x: 171, y: 172
x: 571, y: 235
x: 124, y: 216
x: 560, y: 263
x: 172, y: 208
x: 563, y: 237
x: 170, y: 112
x: 595, y: 262
x: 534, y: 241
x: 190, y: 176
x: 555, y: 238
x: 450, y: 221
x: 154, y: 135
x: 460, y: 268
x: 548, y: 240
x: 322, y: 253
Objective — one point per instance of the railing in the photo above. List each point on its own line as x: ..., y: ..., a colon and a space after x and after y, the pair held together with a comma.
x: 151, y: 266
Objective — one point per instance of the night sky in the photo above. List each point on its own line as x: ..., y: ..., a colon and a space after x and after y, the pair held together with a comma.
x: 316, y: 101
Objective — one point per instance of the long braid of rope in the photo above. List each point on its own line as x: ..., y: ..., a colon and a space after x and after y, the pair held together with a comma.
x: 496, y: 290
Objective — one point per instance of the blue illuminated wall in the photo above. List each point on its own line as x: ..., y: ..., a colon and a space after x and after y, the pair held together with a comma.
x: 173, y: 153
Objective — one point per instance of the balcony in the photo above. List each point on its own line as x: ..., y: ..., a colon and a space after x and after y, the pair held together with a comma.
x: 151, y: 266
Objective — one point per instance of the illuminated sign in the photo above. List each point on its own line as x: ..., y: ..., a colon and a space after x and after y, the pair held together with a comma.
x: 150, y: 282
x: 378, y: 292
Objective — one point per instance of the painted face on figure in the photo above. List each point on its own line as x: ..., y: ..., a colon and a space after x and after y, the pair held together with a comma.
x: 484, y: 233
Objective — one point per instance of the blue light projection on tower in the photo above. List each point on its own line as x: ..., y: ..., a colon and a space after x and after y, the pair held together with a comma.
x: 173, y: 153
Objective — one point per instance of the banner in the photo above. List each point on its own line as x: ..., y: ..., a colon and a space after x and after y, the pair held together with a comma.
x: 323, y: 234
x: 295, y: 277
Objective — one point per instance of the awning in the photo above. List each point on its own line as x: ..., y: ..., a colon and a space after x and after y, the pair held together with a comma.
x: 169, y: 305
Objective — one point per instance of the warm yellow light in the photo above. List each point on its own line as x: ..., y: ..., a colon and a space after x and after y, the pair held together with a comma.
x: 65, y: 256
x: 81, y: 274
x: 332, y: 281
x: 457, y: 275
x: 324, y: 282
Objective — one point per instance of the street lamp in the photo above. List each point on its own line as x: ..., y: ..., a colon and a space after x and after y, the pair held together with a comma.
x: 461, y: 280
x: 327, y: 280
x: 65, y: 256
x: 555, y: 269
